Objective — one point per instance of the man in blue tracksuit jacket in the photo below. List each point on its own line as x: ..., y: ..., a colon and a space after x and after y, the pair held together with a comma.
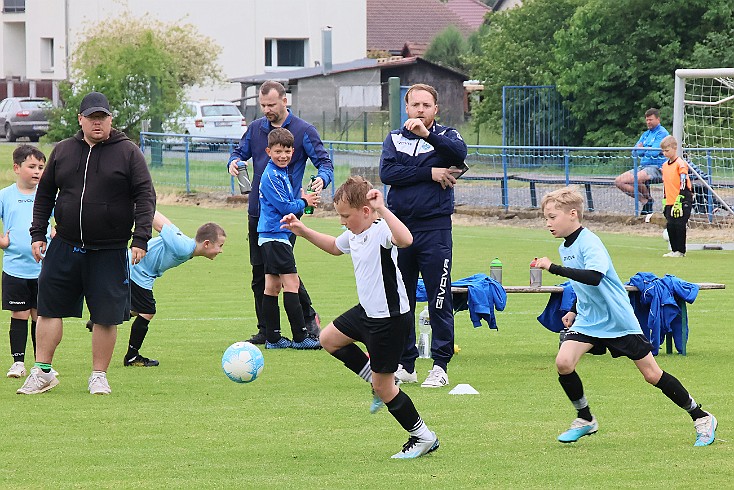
x: 308, y: 145
x: 415, y: 163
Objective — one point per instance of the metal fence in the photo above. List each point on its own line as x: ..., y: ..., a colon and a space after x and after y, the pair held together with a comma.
x: 499, y: 176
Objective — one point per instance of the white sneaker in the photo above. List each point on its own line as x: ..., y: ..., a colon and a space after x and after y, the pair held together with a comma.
x: 17, y: 370
x: 37, y: 382
x: 415, y: 447
x: 674, y: 254
x: 98, y: 384
x: 437, y: 378
x: 404, y: 376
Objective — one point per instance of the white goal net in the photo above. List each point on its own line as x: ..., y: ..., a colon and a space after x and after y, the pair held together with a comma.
x: 703, y: 124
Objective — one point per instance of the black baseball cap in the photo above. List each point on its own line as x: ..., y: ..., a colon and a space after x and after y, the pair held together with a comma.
x: 94, y: 102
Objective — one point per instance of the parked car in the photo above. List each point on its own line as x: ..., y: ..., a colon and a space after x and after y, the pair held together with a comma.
x: 24, y: 116
x: 218, y: 120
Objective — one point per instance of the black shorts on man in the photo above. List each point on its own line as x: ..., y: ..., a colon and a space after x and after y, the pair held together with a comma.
x: 72, y: 274
x: 19, y: 294
x: 383, y: 337
x: 278, y: 258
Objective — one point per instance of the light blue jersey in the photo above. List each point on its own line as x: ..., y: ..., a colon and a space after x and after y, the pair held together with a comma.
x: 603, y: 311
x: 16, y: 213
x: 168, y: 250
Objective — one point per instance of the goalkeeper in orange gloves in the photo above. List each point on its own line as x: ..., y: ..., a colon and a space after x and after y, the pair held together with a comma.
x: 678, y: 196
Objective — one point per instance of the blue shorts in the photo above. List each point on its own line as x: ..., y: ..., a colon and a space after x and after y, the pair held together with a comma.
x: 654, y: 172
x: 70, y: 275
x: 383, y: 337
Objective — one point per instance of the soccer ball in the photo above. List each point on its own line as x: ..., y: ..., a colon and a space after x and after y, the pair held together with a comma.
x: 242, y: 362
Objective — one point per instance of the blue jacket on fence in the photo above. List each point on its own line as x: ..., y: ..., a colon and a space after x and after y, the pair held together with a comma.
x: 558, y: 305
x: 484, y: 295
x: 656, y: 306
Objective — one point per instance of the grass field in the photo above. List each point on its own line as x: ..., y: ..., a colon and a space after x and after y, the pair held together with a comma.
x: 305, y: 422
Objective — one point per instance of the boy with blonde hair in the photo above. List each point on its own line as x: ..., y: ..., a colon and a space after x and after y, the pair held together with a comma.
x: 602, y: 318
x: 383, y: 316
x: 678, y: 196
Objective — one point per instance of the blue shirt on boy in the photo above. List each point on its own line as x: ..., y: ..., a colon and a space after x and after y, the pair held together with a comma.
x: 603, y: 311
x: 277, y: 198
x: 16, y: 212
x: 169, y: 249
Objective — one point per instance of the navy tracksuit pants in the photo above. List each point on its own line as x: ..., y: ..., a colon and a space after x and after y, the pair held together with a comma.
x: 430, y: 255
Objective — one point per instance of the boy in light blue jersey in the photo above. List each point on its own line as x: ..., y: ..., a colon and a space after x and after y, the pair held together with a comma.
x: 169, y: 249
x: 602, y: 318
x: 20, y: 269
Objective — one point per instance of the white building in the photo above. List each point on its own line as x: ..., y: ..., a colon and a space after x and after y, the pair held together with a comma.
x: 256, y: 36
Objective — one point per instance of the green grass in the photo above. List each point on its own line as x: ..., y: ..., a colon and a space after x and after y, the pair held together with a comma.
x: 305, y: 422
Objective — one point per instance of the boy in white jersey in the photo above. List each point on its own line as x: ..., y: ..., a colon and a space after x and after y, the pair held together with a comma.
x: 169, y: 249
x: 602, y: 318
x: 20, y: 269
x: 382, y: 318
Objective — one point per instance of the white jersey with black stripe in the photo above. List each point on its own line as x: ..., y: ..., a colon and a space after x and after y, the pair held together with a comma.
x: 380, y: 285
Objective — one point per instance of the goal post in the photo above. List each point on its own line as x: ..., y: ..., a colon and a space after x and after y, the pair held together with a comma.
x: 703, y: 125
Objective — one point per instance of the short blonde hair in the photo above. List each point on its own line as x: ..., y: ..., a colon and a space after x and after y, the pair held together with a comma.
x: 567, y: 198
x: 669, y: 142
x: 353, y: 192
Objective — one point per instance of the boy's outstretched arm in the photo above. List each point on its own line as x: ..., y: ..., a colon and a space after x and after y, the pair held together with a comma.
x: 159, y: 221
x: 401, y: 235
x: 327, y: 243
x: 584, y: 276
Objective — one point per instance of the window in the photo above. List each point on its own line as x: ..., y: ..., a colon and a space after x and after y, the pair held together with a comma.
x: 13, y: 5
x: 285, y: 52
x: 47, y: 54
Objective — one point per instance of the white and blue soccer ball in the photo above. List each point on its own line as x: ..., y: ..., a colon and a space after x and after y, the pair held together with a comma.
x: 242, y: 362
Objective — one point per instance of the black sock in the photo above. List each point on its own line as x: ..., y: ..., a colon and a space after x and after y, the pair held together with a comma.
x: 18, y: 338
x: 138, y: 330
x: 571, y: 384
x: 33, y: 336
x: 673, y: 389
x: 401, y: 407
x: 271, y: 315
x: 295, y: 316
x: 355, y: 360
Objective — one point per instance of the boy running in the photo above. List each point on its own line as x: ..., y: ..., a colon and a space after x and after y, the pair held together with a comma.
x: 602, y: 319
x: 383, y: 317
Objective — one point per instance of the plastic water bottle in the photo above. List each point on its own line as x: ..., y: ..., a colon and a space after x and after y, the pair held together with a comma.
x: 536, y: 274
x: 243, y: 179
x: 309, y: 190
x: 424, y: 334
x: 495, y: 270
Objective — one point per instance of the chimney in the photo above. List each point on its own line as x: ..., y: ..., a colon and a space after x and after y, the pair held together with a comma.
x: 326, y: 49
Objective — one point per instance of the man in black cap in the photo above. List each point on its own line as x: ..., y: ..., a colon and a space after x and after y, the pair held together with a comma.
x: 98, y: 186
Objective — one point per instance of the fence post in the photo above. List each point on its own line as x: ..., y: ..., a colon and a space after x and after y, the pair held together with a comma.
x: 634, y: 182
x: 709, y: 196
x: 505, y: 186
x: 364, y: 128
x: 346, y: 127
x: 331, y: 157
x: 393, y: 90
x: 186, y: 160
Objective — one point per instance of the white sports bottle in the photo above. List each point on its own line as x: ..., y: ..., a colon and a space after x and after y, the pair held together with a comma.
x: 424, y: 335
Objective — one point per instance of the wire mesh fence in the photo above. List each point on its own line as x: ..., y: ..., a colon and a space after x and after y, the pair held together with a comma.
x: 499, y: 176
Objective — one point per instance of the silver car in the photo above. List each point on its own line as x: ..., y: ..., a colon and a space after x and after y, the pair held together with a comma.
x: 24, y: 116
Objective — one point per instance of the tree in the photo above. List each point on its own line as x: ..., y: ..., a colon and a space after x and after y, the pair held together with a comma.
x: 617, y: 59
x: 517, y: 49
x: 448, y: 48
x: 126, y: 58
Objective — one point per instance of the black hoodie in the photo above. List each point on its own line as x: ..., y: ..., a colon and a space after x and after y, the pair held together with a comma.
x: 102, y: 191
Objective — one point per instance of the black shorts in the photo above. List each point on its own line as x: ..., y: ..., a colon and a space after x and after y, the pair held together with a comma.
x: 71, y: 274
x: 141, y: 299
x: 19, y: 294
x: 633, y: 346
x: 384, y: 337
x: 278, y: 258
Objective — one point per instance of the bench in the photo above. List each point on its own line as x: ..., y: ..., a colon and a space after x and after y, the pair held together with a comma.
x: 702, y: 286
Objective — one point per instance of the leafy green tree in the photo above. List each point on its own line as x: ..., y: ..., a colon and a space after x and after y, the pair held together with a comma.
x: 125, y: 58
x: 448, y: 48
x: 517, y: 49
x: 616, y: 59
